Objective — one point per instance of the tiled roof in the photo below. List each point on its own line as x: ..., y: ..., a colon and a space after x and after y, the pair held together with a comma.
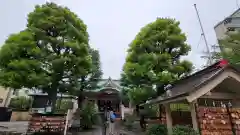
x: 58, y: 95
x: 196, y: 80
x: 108, y: 83
x: 103, y: 84
x: 187, y: 84
x: 104, y: 81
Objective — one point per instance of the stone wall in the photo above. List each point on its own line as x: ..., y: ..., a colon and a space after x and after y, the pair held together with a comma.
x: 20, y: 116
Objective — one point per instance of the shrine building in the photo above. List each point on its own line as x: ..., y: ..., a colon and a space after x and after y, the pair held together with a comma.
x: 107, y: 96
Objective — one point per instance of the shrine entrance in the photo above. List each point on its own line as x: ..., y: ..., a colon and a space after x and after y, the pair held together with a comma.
x: 108, y: 99
x: 108, y: 104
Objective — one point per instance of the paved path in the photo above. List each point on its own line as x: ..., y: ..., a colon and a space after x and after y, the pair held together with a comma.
x: 95, y: 132
x: 19, y: 127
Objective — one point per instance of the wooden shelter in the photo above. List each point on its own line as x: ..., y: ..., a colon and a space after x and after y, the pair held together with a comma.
x: 213, y: 97
x: 40, y: 101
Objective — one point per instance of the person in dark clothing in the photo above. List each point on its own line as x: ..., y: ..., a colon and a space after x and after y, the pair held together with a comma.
x: 142, y: 118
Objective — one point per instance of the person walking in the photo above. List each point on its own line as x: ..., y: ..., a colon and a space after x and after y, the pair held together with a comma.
x: 111, y: 120
x: 142, y: 114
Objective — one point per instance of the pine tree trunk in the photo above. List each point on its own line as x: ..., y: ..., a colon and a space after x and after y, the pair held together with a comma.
x: 81, y: 94
x: 52, y: 101
x: 160, y: 91
x: 80, y: 100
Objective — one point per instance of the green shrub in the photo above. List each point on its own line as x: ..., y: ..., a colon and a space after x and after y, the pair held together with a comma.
x: 151, y: 110
x: 20, y: 103
x: 157, y: 129
x: 129, y: 122
x: 184, y: 130
x: 62, y: 105
x: 88, y: 116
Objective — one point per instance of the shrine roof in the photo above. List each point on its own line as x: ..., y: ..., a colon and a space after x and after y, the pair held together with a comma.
x: 108, y: 84
x: 190, y: 83
x: 115, y: 82
x: 103, y: 85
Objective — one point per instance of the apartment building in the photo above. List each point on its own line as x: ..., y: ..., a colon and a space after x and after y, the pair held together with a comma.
x: 229, y: 24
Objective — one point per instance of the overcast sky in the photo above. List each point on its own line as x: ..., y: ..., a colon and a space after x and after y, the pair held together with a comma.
x: 113, y: 24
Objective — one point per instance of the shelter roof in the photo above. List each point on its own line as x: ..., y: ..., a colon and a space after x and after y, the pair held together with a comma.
x: 193, y: 82
x: 58, y: 95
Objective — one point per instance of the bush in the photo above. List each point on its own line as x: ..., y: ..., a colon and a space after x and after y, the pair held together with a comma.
x: 184, y: 130
x: 88, y: 116
x: 20, y: 103
x: 151, y: 110
x: 129, y: 122
x: 157, y: 129
x: 62, y: 105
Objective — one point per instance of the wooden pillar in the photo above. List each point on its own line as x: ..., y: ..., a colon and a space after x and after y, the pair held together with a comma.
x: 122, y: 108
x: 194, y: 115
x: 168, y: 118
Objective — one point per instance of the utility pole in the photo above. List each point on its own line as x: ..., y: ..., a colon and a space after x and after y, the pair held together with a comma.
x: 237, y: 4
x: 204, y: 37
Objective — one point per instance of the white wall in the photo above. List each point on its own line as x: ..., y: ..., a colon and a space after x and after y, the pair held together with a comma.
x: 5, y: 96
x: 220, y: 31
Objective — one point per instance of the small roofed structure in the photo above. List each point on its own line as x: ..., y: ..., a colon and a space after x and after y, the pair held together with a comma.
x: 40, y: 101
x: 212, y: 95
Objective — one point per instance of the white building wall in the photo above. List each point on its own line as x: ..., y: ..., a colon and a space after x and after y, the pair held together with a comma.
x: 222, y: 27
x: 220, y: 31
x: 5, y: 96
